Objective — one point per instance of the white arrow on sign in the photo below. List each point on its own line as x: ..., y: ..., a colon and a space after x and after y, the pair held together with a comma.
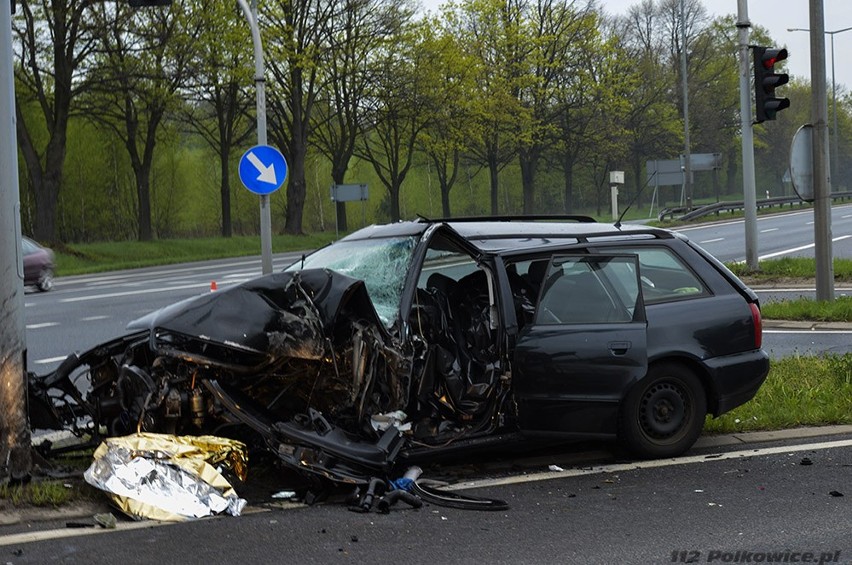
x: 267, y: 174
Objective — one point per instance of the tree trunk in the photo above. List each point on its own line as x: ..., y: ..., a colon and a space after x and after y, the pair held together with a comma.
x: 528, y: 162
x: 568, y: 196
x: 445, y: 199
x: 225, y: 190
x: 338, y: 173
x: 46, y: 181
x: 393, y: 194
x: 296, y: 187
x: 493, y: 171
x: 143, y: 194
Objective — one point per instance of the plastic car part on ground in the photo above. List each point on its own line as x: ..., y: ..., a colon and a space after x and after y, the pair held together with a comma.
x: 169, y: 478
x: 414, y: 491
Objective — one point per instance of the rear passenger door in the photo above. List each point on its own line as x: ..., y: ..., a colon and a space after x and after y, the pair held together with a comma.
x: 585, y: 346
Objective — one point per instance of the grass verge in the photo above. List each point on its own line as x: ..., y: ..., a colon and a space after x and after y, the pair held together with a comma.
x: 81, y: 258
x: 42, y: 494
x: 840, y: 310
x: 789, y: 268
x: 799, y: 391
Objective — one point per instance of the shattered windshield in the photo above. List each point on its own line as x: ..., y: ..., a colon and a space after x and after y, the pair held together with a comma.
x: 381, y: 263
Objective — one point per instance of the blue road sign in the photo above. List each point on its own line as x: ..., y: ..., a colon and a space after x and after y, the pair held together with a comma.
x: 263, y: 169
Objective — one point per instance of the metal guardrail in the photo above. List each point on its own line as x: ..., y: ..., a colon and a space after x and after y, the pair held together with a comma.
x: 733, y: 205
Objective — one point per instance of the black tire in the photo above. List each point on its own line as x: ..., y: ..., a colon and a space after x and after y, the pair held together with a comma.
x: 663, y: 414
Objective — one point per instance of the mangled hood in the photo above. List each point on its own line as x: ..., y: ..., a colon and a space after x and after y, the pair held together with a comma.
x: 285, y: 313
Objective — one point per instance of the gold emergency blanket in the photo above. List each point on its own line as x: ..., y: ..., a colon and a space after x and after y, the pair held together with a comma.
x: 169, y: 478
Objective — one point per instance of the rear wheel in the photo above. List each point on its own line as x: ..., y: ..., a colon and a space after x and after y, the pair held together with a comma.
x: 663, y: 414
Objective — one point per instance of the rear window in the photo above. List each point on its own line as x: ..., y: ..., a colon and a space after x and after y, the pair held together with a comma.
x: 664, y: 275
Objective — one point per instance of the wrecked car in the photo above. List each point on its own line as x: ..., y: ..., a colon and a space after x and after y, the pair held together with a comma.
x: 419, y: 337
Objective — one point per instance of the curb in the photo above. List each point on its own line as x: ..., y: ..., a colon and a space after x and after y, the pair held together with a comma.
x: 806, y: 325
x: 709, y: 441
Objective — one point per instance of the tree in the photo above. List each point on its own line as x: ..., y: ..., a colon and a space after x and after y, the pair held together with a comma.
x: 397, y: 110
x: 558, y: 33
x: 55, y: 40
x: 653, y: 120
x: 491, y: 32
x: 453, y: 127
x: 592, y: 99
x: 217, y: 87
x: 359, y: 28
x: 143, y: 62
x: 296, y: 54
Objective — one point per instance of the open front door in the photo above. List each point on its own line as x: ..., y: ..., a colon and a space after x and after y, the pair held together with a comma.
x: 585, y: 346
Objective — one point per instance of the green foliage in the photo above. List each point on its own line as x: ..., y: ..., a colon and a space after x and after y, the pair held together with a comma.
x: 799, y: 391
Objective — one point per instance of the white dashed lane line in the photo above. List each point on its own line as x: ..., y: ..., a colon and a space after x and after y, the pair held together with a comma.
x: 42, y: 325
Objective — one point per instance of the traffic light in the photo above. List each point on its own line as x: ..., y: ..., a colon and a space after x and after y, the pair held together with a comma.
x: 146, y: 3
x: 765, y: 82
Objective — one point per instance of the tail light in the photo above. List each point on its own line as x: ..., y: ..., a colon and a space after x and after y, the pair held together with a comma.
x: 757, y: 323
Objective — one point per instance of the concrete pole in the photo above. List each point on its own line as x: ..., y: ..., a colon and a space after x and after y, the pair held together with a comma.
x: 822, y: 179
x: 749, y: 190
x: 15, y: 457
x: 260, y: 87
x: 687, y: 157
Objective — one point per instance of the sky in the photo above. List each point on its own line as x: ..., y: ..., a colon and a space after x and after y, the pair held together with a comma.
x: 768, y: 14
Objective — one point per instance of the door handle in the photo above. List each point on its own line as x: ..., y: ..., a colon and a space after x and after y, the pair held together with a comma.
x: 619, y: 347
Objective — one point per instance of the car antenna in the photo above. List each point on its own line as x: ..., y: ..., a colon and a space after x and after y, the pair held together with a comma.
x: 638, y: 192
x: 303, y: 262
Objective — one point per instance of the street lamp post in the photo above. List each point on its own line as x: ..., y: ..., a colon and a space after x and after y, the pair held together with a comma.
x: 835, y: 161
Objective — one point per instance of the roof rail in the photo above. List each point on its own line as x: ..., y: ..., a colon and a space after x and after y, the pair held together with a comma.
x: 532, y: 218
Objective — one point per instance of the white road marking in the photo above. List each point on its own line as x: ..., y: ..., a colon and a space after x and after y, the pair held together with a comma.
x: 27, y: 537
x: 135, y: 292
x: 622, y: 467
x: 93, y: 318
x: 711, y: 240
x: 795, y: 249
x: 43, y: 325
x: 768, y: 230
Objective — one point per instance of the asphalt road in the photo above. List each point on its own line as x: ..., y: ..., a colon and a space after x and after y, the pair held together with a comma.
x: 783, y: 501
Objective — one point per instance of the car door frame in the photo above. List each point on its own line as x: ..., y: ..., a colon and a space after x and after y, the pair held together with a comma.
x: 569, y: 378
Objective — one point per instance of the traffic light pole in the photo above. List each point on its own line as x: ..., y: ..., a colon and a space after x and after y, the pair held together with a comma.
x: 822, y: 180
x: 749, y: 190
